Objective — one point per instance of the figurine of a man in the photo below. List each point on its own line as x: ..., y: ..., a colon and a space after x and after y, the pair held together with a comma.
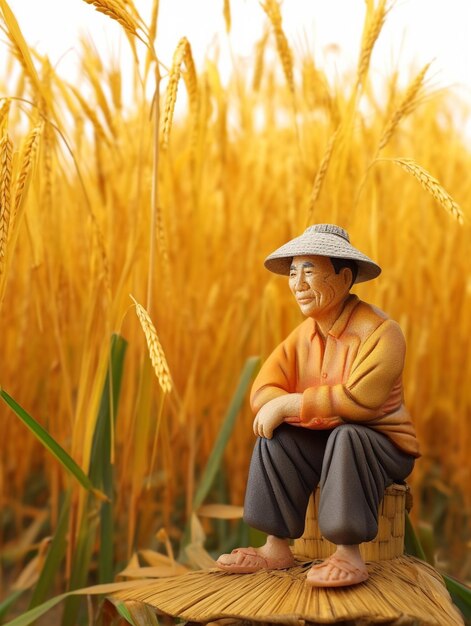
x: 329, y: 411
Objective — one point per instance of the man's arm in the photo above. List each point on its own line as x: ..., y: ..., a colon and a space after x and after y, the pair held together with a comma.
x: 375, y: 372
x: 276, y: 376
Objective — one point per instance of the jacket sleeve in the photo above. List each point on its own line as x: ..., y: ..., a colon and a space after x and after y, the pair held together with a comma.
x: 375, y: 372
x: 276, y: 376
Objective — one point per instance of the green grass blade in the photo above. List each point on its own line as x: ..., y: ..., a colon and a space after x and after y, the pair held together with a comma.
x: 8, y: 602
x: 225, y: 432
x: 412, y: 543
x: 101, y: 473
x: 124, y: 612
x: 101, y: 467
x: 460, y: 594
x: 54, y: 557
x: 81, y: 563
x: 50, y: 444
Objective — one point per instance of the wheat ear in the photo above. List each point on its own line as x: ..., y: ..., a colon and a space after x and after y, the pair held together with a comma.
x: 6, y: 150
x: 272, y: 9
x: 4, y: 110
x: 432, y: 185
x: 321, y: 174
x: 372, y: 34
x: 227, y: 15
x: 29, y: 153
x: 182, y: 54
x: 156, y: 353
x: 116, y: 11
x: 405, y: 107
x: 259, y: 61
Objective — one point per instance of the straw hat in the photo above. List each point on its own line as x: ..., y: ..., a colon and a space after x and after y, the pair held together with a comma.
x: 323, y: 240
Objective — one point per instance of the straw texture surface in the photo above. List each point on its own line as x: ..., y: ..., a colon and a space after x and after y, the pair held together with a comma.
x: 404, y: 589
x: 388, y: 543
x: 324, y: 240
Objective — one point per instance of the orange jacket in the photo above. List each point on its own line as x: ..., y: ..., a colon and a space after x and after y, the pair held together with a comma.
x: 354, y: 376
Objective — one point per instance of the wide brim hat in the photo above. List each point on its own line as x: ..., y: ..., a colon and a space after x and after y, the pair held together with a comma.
x: 322, y: 240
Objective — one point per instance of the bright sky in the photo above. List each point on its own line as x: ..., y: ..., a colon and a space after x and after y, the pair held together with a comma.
x: 416, y: 32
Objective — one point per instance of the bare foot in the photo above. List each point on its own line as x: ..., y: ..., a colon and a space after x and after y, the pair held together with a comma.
x: 345, y: 567
x: 275, y: 554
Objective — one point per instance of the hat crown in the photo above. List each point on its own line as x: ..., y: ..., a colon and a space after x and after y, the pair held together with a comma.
x: 329, y: 229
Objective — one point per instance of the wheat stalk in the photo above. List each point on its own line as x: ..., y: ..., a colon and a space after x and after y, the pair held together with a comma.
x: 432, y: 185
x: 272, y: 9
x: 90, y: 113
x: 369, y: 41
x: 156, y: 353
x: 405, y: 107
x: 19, y: 46
x: 181, y: 55
x: 6, y: 149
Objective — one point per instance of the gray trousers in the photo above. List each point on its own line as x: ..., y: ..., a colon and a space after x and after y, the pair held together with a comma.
x: 353, y: 465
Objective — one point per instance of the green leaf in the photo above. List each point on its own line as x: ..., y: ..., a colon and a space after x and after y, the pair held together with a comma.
x: 101, y: 473
x: 227, y: 427
x: 460, y: 594
x: 412, y: 543
x: 124, y: 612
x: 215, y: 458
x: 101, y: 467
x: 54, y: 557
x: 51, y: 444
x: 9, y: 601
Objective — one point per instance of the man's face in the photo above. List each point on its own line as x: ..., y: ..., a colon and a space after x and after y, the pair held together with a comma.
x: 315, y: 285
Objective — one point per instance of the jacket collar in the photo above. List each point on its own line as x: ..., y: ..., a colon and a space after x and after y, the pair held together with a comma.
x: 341, y: 322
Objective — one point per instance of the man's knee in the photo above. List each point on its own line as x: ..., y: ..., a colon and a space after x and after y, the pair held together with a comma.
x: 349, y: 432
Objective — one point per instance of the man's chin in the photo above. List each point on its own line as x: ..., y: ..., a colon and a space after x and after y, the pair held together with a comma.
x: 310, y: 309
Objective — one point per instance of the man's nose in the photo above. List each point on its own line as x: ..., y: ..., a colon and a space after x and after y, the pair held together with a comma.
x: 301, y: 284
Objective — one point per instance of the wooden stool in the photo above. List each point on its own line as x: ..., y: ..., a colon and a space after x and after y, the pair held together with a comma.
x: 388, y: 543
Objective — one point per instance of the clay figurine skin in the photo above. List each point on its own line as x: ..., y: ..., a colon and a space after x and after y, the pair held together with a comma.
x: 329, y: 411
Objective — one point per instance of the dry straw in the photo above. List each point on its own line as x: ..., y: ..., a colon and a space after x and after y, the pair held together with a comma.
x: 432, y: 185
x: 156, y: 353
x: 283, y: 597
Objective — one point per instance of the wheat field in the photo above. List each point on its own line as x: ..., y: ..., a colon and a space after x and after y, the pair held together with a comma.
x: 138, y: 221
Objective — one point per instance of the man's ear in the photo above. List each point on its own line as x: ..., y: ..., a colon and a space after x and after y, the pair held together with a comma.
x: 347, y: 276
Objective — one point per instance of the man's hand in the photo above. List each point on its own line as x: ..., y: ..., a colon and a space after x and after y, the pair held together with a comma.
x: 274, y: 412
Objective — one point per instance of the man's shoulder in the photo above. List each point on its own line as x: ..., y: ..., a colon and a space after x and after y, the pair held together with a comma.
x: 366, y: 318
